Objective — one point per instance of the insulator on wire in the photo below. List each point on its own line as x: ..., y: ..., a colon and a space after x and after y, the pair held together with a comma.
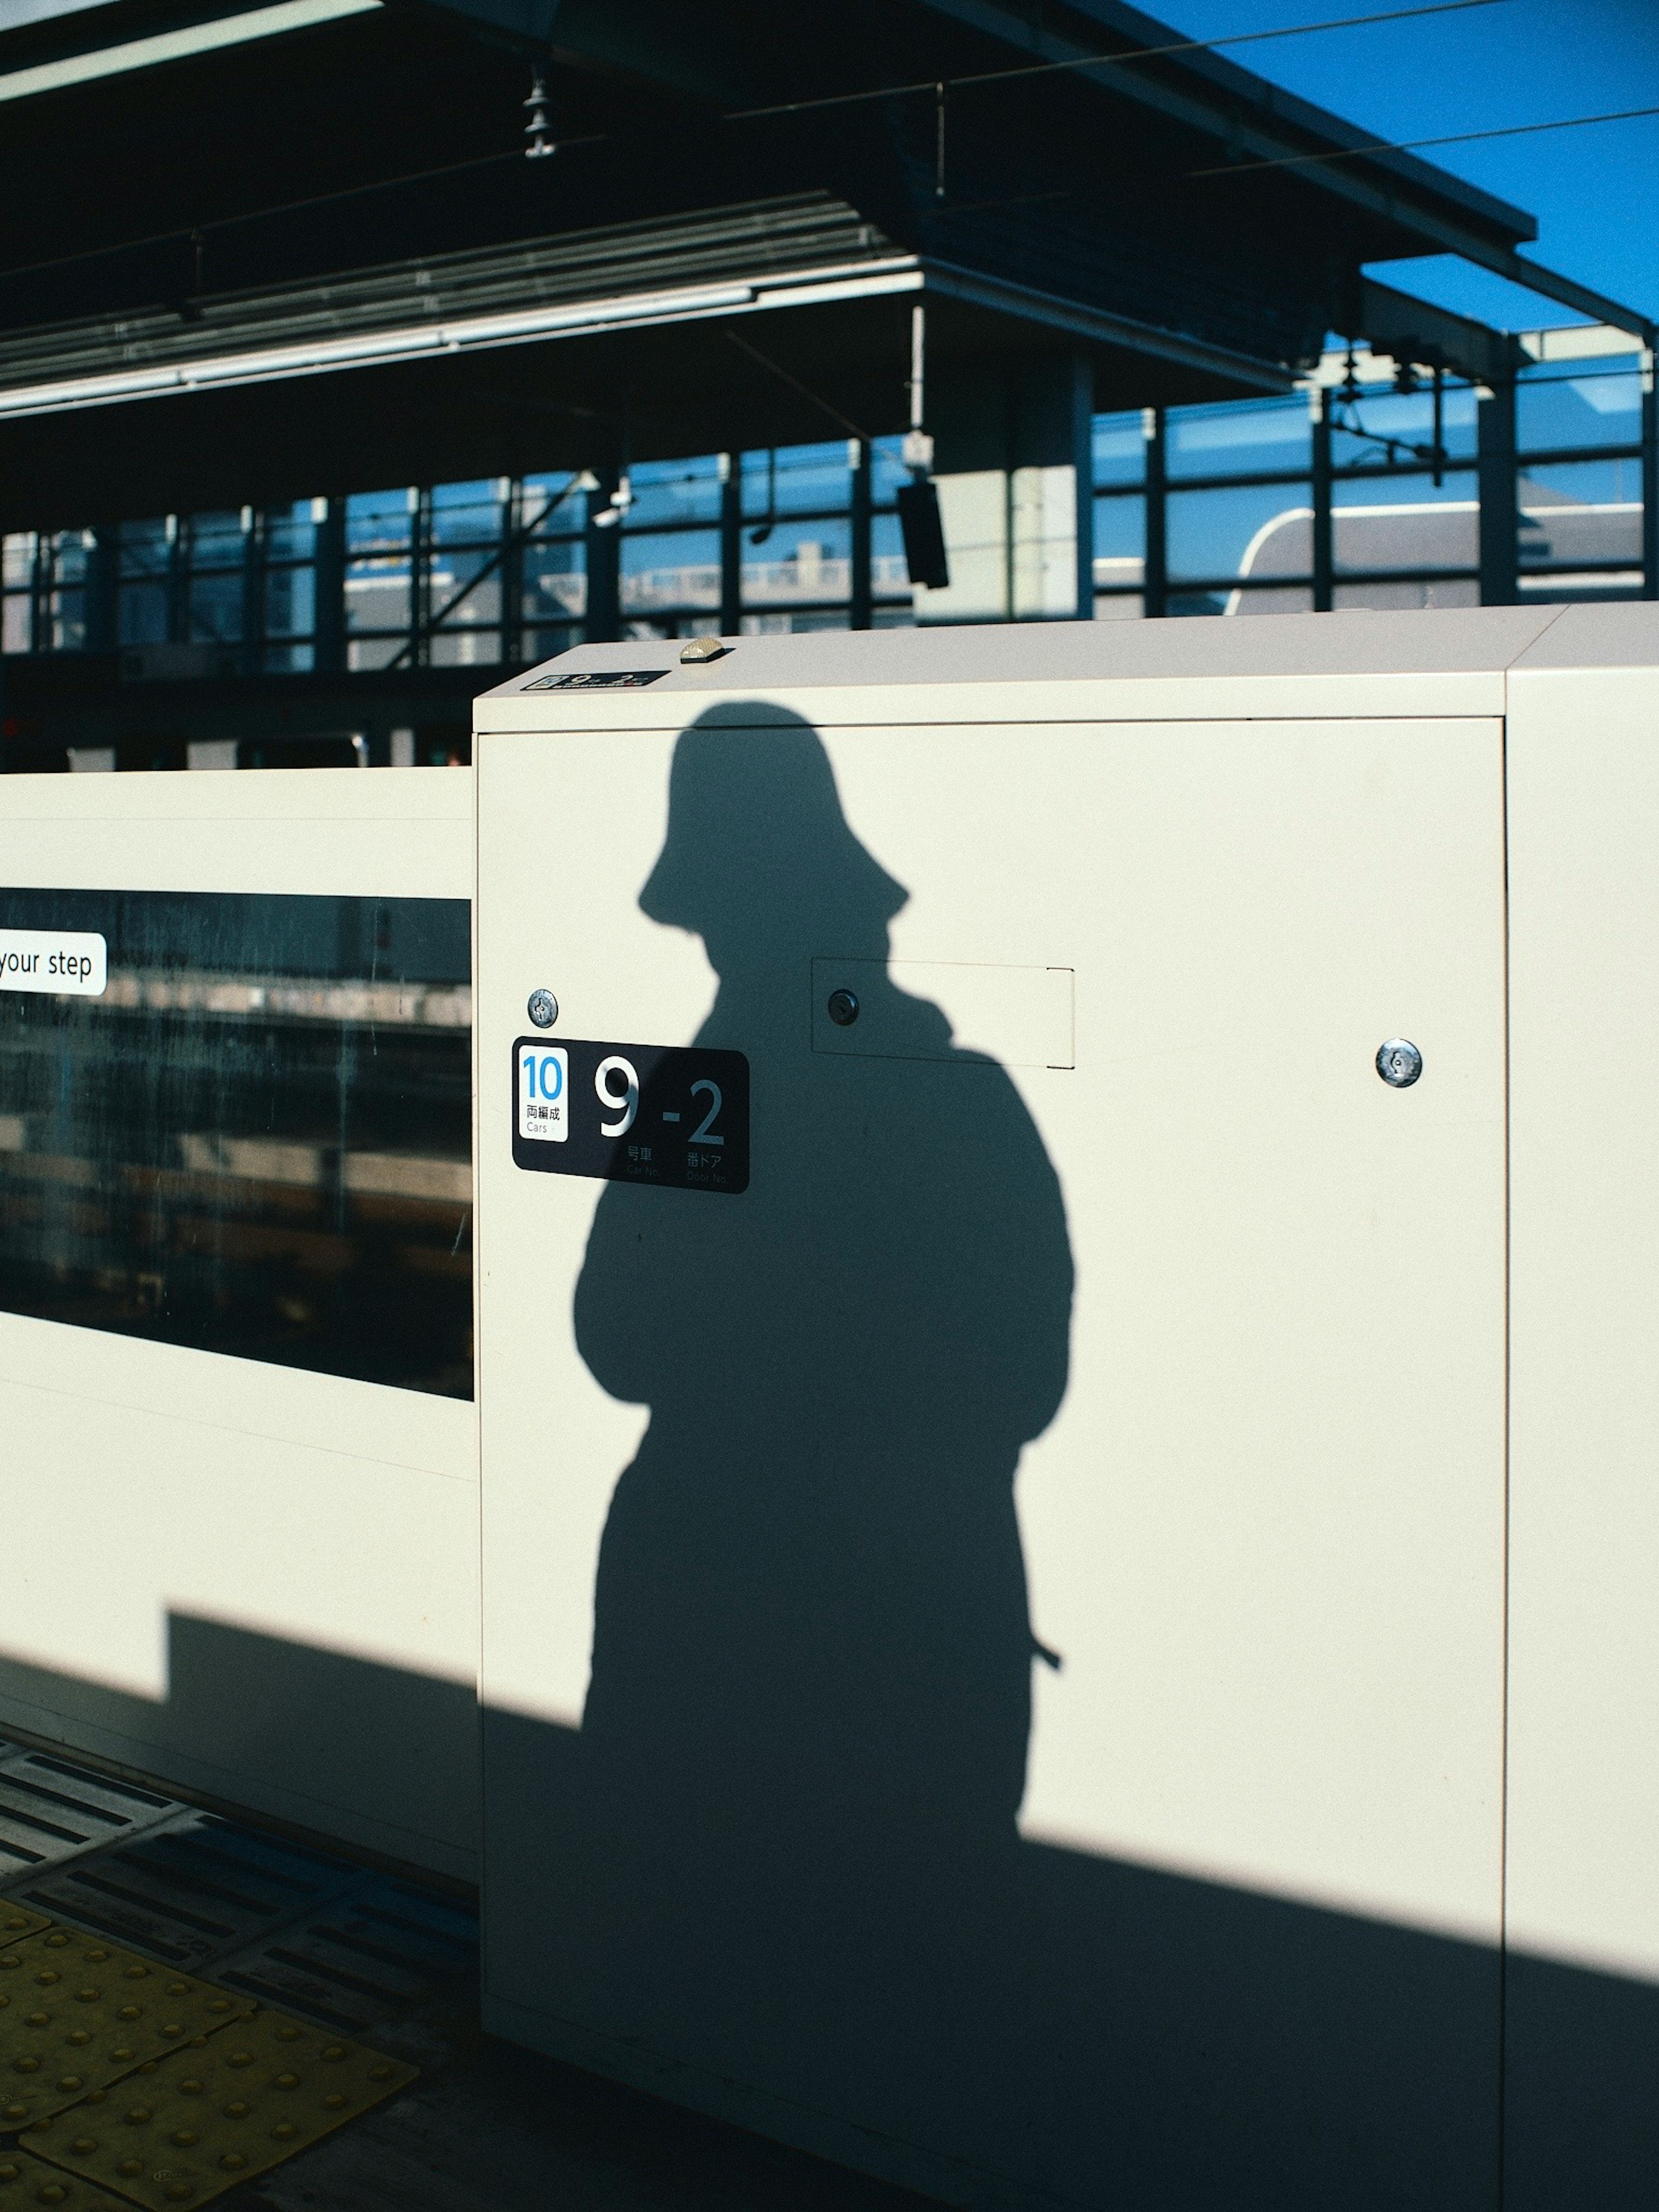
x: 538, y: 131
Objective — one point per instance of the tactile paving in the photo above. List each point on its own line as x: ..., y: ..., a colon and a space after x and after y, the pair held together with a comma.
x: 15, y: 1922
x: 77, y: 2013
x: 181, y: 2129
x: 25, y: 2182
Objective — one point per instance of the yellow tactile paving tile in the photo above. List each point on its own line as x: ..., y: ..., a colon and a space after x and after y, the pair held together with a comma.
x: 15, y: 1921
x: 183, y: 2128
x: 28, y: 2182
x: 77, y: 2013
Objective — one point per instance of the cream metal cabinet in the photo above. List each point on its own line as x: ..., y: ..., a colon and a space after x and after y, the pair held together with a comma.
x: 994, y: 1578
x: 251, y: 1580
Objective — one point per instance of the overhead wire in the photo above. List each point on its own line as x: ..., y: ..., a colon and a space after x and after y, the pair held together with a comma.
x: 1414, y: 145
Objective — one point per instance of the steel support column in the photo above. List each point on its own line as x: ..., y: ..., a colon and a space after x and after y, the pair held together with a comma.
x: 731, y: 544
x: 860, y: 591
x: 1324, y: 562
x: 1649, y: 480
x: 604, y: 624
x: 1499, y: 534
x: 1155, y: 584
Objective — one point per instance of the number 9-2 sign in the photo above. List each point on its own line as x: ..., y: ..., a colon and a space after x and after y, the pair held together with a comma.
x: 632, y: 1112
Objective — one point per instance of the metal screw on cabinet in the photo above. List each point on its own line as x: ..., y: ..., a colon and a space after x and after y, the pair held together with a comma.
x: 544, y: 1009
x: 1398, y: 1063
x: 842, y: 1009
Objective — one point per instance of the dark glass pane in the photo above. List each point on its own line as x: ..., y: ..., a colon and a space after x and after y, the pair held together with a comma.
x: 1601, y: 407
x: 291, y: 532
x: 215, y: 607
x: 141, y: 614
x: 16, y: 623
x: 379, y: 521
x: 215, y: 541
x: 69, y: 556
x: 887, y: 470
x: 468, y: 513
x: 889, y: 572
x: 1235, y: 440
x: 806, y: 478
x: 1227, y: 532
x: 1406, y: 522
x: 465, y: 648
x: 668, y: 568
x: 550, y: 505
x: 1120, y: 448
x: 800, y: 561
x: 675, y: 491
x: 1390, y: 428
x: 258, y: 1140
x: 1575, y: 512
x: 145, y: 548
x: 451, y: 573
x: 66, y: 616
x: 378, y: 594
x: 290, y: 602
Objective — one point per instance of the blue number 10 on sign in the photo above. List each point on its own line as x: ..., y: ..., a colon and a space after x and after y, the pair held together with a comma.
x: 544, y: 1075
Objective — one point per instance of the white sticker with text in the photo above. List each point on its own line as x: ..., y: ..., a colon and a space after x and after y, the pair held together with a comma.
x: 56, y: 962
x: 544, y: 1072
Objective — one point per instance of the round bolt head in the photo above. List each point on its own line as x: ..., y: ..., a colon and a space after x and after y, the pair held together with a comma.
x: 1398, y: 1063
x: 543, y: 1009
x: 843, y: 1008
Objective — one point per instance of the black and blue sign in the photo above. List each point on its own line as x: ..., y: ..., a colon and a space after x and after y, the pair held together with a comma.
x: 673, y: 1114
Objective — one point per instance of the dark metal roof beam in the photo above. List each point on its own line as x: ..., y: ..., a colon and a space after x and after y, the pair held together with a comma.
x: 1396, y: 204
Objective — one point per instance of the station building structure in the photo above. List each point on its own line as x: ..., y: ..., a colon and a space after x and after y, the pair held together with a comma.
x: 320, y: 387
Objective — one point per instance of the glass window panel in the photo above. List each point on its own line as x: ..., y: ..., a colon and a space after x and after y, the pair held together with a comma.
x: 66, y: 622
x: 379, y: 521
x: 1120, y: 541
x: 468, y: 513
x: 1407, y: 522
x: 1120, y: 448
x: 464, y: 648
x: 671, y: 568
x: 70, y: 552
x: 1602, y: 406
x: 291, y: 532
x: 1247, y: 439
x: 378, y: 595
x: 887, y: 470
x: 141, y: 614
x: 290, y: 602
x: 889, y: 572
x: 212, y: 1155
x: 1119, y: 606
x: 1226, y: 533
x: 800, y: 561
x: 569, y: 508
x: 288, y: 659
x: 807, y: 478
x: 17, y: 558
x: 452, y: 572
x: 216, y: 608
x: 215, y: 541
x: 675, y: 491
x: 1576, y: 513
x: 16, y: 626
x: 542, y: 643
x: 1366, y: 429
x: 144, y: 549
x: 374, y: 652
x: 555, y: 581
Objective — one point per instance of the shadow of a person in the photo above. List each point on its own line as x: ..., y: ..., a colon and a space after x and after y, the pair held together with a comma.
x: 804, y: 1745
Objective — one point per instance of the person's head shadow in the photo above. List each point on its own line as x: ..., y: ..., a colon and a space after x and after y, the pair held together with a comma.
x: 810, y: 1677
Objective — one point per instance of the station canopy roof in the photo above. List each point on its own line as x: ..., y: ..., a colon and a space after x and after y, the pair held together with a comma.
x: 254, y: 252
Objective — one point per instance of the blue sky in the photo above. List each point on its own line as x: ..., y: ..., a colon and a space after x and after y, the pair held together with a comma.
x: 1594, y: 191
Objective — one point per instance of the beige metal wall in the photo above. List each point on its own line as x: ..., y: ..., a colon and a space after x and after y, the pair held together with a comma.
x: 254, y: 1583
x: 1247, y: 1933
x: 1583, y: 1740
